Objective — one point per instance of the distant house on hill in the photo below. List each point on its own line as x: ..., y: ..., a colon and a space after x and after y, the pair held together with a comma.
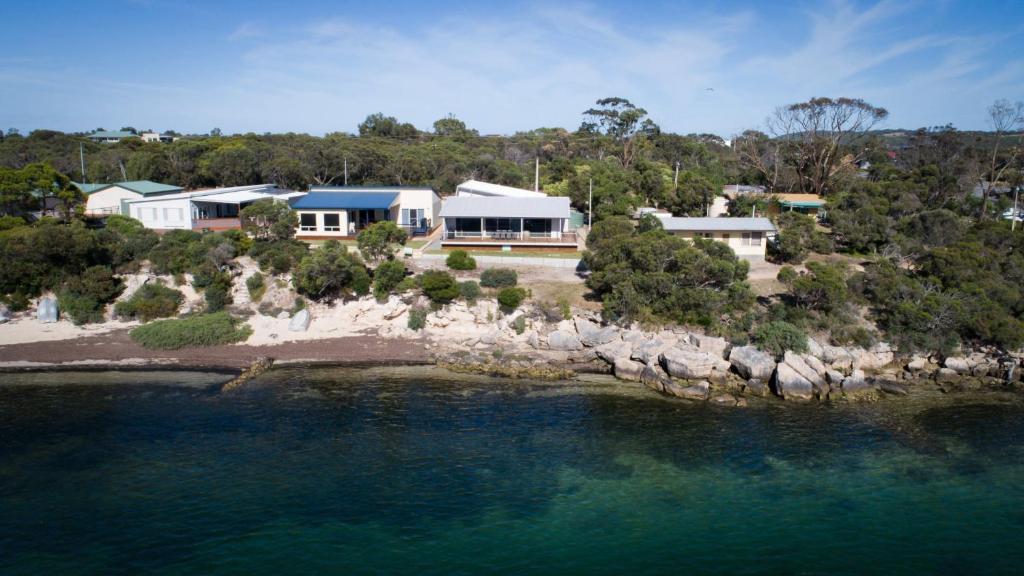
x: 212, y: 209
x: 811, y: 204
x: 748, y: 237
x: 734, y: 190
x: 107, y: 199
x: 157, y: 137
x: 343, y: 211
x: 109, y: 136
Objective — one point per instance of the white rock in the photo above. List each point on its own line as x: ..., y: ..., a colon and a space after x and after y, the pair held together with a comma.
x: 563, y: 340
x: 749, y: 362
x: 691, y: 364
x: 791, y: 385
x: 299, y: 322
x: 626, y: 369
x: 47, y: 311
x: 710, y: 344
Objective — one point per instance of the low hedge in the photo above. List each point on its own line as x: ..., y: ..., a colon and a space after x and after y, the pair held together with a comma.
x: 205, y: 330
x: 149, y: 302
x: 460, y: 260
x: 498, y: 278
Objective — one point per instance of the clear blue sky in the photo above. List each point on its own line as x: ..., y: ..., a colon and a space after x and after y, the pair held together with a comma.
x: 322, y: 66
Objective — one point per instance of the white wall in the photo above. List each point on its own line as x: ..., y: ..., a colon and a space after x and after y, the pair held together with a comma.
x: 425, y: 200
x: 163, y: 214
x: 320, y: 231
x: 108, y: 201
x: 735, y: 240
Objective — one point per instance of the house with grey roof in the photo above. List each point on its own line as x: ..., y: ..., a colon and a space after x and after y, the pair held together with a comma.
x: 505, y: 222
x: 106, y: 199
x: 748, y: 237
x: 110, y: 136
x: 212, y: 209
x: 343, y: 211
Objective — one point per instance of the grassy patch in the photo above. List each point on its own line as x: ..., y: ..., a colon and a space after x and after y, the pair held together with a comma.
x: 205, y: 330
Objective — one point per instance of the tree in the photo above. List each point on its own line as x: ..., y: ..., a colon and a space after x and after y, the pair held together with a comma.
x: 380, y: 240
x: 451, y: 126
x: 387, y: 127
x: 760, y: 153
x: 816, y: 133
x: 797, y: 236
x: 268, y: 219
x: 1004, y: 119
x: 331, y: 271
x: 386, y: 277
x: 38, y: 186
x: 621, y: 120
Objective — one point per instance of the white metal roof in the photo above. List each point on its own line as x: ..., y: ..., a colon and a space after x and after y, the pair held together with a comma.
x: 724, y: 224
x: 477, y: 188
x: 498, y: 207
x: 229, y: 195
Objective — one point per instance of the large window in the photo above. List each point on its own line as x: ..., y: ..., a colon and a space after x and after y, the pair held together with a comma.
x: 751, y: 238
x: 307, y: 222
x: 332, y: 222
x: 172, y: 214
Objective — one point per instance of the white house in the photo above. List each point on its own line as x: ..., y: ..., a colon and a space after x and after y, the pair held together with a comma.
x: 342, y: 211
x: 157, y: 137
x: 212, y: 209
x: 748, y: 237
x: 110, y: 136
x: 506, y: 222
x: 106, y: 199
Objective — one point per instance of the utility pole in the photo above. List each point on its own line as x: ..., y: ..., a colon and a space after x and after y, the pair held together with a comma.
x: 590, y: 205
x: 81, y: 158
x: 346, y: 170
x: 1013, y: 221
x: 124, y: 176
x: 675, y: 180
x: 536, y: 176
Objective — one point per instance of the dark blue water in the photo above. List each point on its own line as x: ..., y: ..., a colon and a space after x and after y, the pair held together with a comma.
x: 409, y: 472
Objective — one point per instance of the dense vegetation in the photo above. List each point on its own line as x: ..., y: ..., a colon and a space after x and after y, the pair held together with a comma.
x: 204, y: 330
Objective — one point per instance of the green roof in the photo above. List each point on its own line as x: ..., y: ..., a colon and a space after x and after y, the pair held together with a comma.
x: 90, y: 188
x: 802, y: 203
x: 111, y: 134
x: 144, y: 187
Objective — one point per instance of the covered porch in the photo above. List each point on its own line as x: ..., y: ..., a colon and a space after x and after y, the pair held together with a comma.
x: 521, y: 231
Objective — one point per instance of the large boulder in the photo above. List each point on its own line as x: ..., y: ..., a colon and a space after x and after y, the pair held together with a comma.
x: 691, y: 364
x: 749, y: 362
x: 564, y: 340
x: 614, y: 350
x: 654, y: 377
x: 756, y: 387
x: 876, y: 357
x: 5, y: 314
x: 698, y: 391
x: 958, y: 363
x: 46, y: 311
x: 856, y: 387
x: 838, y: 357
x: 591, y: 334
x: 626, y: 369
x: 710, y: 344
x: 299, y: 322
x: 791, y: 385
x: 533, y: 339
x: 649, y: 351
x: 801, y: 367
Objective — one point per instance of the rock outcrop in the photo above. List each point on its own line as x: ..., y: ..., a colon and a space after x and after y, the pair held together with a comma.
x: 591, y: 334
x: 749, y: 362
x: 299, y: 322
x: 691, y: 364
x: 626, y: 369
x: 47, y: 311
x: 564, y: 340
x: 790, y: 385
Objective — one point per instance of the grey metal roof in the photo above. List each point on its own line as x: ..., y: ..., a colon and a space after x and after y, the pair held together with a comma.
x: 724, y: 224
x: 504, y: 207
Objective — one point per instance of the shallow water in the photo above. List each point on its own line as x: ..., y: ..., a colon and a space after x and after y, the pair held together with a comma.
x: 412, y: 471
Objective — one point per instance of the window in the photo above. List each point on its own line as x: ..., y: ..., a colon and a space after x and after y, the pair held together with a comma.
x: 725, y: 238
x: 332, y: 222
x: 705, y: 235
x: 172, y: 214
x: 746, y: 238
x: 307, y: 222
x: 755, y: 238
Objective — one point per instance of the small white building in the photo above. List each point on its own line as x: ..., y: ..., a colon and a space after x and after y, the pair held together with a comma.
x: 506, y: 222
x: 343, y: 211
x: 106, y: 199
x: 213, y: 209
x: 486, y: 189
x: 748, y: 237
x: 157, y: 137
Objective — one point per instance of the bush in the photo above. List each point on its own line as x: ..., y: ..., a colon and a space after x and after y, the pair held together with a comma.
x: 778, y: 336
x: 380, y: 239
x: 498, y: 278
x: 83, y: 297
x: 217, y: 296
x: 797, y: 236
x: 256, y: 286
x: 519, y: 324
x: 149, y: 302
x: 417, y: 319
x: 407, y: 283
x: 205, y: 330
x: 460, y: 260
x: 278, y: 256
x: 331, y: 271
x: 439, y: 286
x: 469, y: 290
x: 17, y: 302
x: 387, y: 277
x: 566, y: 309
x: 511, y: 298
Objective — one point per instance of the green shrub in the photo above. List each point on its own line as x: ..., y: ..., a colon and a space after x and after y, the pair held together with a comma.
x: 469, y: 290
x: 256, y: 286
x: 407, y: 283
x: 387, y: 277
x: 511, y: 298
x: 786, y: 274
x: 331, y: 271
x: 83, y: 297
x: 460, y: 260
x: 380, y: 239
x: 278, y: 256
x: 519, y: 324
x: 563, y: 305
x: 8, y: 222
x: 17, y: 302
x: 439, y: 286
x: 778, y: 336
x: 205, y: 330
x: 417, y: 319
x: 498, y: 278
x: 149, y: 302
x: 217, y: 296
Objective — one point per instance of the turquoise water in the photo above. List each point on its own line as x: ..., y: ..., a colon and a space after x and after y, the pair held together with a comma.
x: 407, y: 471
